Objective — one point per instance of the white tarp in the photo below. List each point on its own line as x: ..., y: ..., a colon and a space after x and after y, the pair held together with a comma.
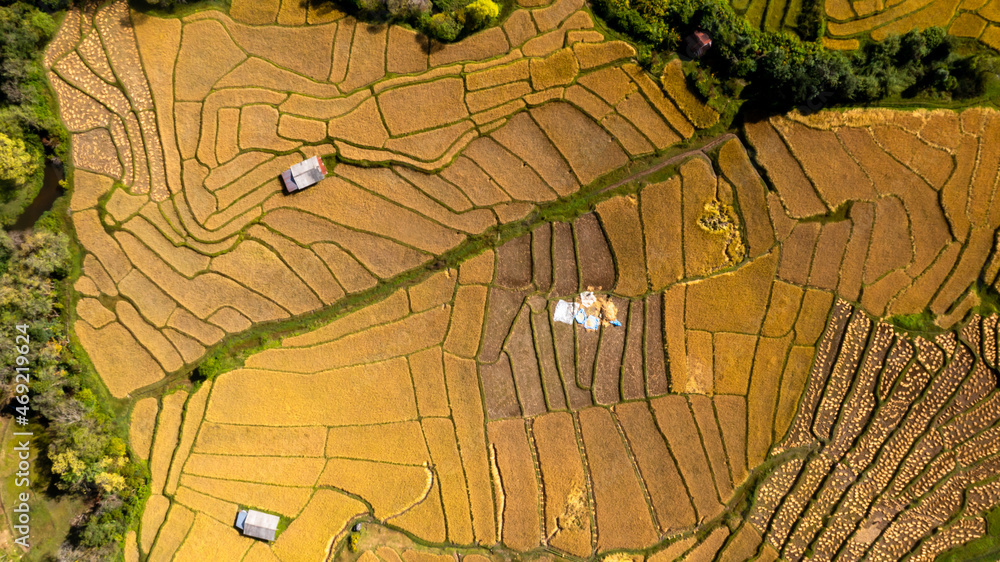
x: 565, y: 311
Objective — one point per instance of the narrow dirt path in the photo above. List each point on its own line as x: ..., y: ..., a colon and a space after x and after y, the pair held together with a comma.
x: 670, y: 162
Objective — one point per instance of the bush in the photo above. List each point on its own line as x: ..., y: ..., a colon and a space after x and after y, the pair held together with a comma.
x: 23, y: 32
x: 27, y: 111
x: 443, y: 27
x: 980, y: 73
x: 479, y: 13
x: 45, y: 254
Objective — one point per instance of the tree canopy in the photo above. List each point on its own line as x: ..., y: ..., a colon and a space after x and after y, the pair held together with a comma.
x: 16, y: 163
x: 784, y: 71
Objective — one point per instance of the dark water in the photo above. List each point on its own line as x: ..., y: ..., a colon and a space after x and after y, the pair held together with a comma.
x: 51, y: 190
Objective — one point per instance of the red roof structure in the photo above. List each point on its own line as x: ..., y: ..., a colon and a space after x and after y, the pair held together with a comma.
x: 698, y: 43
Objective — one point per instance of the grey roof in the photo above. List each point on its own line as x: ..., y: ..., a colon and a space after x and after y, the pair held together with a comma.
x: 307, y: 172
x: 260, y: 525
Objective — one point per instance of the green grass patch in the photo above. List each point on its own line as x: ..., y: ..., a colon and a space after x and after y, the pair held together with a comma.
x: 755, y: 12
x: 917, y: 323
x: 989, y: 299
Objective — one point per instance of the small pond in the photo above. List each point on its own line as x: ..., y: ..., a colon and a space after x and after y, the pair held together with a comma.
x: 51, y: 190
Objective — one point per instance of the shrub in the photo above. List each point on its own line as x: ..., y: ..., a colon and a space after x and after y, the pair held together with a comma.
x: 449, y: 6
x: 479, y: 13
x: 443, y: 27
x: 52, y: 5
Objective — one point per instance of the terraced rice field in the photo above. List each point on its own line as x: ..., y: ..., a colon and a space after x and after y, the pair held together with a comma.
x: 624, y: 438
x: 770, y: 15
x: 182, y: 126
x: 751, y: 280
x: 848, y: 21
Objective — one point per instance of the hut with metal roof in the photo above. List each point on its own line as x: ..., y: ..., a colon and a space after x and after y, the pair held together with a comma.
x: 257, y: 525
x: 304, y: 174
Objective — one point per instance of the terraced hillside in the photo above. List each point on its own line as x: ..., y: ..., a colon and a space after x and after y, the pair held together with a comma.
x: 851, y: 21
x: 584, y: 442
x: 188, y: 234
x: 752, y: 404
x: 770, y: 15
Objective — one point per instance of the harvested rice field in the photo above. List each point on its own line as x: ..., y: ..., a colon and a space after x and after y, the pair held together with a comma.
x: 539, y: 307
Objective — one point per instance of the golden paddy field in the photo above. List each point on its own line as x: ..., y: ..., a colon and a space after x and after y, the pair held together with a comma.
x: 753, y: 404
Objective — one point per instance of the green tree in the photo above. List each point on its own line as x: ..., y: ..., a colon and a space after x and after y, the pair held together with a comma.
x: 780, y: 71
x: 480, y: 13
x: 87, y: 451
x: 45, y: 254
x: 16, y: 163
x: 442, y: 27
